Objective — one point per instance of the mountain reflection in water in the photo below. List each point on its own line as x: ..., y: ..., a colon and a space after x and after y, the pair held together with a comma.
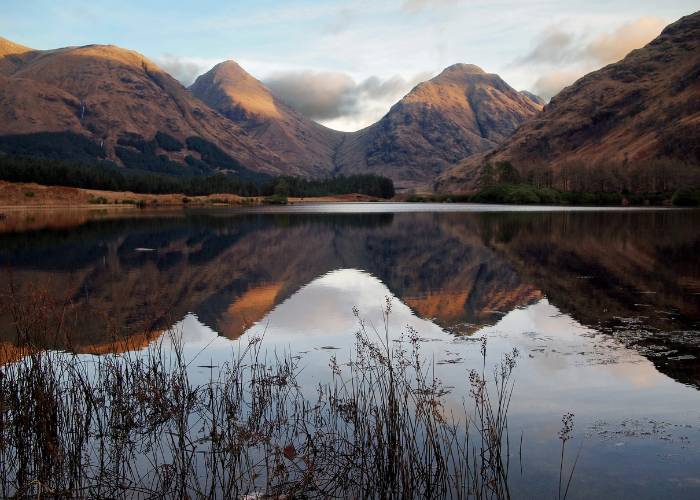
x: 604, y: 307
x: 634, y: 274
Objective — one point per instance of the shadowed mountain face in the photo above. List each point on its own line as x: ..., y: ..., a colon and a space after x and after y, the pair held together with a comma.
x: 643, y: 108
x: 125, y: 278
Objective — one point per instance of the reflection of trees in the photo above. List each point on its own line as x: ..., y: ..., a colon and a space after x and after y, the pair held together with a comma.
x: 633, y: 275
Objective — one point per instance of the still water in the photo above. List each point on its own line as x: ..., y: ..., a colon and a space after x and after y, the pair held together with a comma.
x: 603, y: 306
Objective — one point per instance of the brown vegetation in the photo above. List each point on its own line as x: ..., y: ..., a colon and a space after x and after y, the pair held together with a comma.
x: 17, y: 195
x: 136, y: 424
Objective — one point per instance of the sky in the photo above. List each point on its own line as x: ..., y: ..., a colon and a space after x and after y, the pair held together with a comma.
x: 344, y: 63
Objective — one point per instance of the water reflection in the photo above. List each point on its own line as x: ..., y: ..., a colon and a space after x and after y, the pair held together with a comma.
x: 603, y: 306
x: 634, y: 274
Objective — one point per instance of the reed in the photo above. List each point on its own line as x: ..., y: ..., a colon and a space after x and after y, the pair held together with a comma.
x: 135, y: 425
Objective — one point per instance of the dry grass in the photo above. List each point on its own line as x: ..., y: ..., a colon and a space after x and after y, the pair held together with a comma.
x: 14, y: 194
x: 136, y: 425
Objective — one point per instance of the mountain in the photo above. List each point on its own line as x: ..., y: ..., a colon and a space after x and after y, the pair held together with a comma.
x: 102, y: 101
x: 307, y: 148
x: 462, y: 111
x: 533, y: 97
x: 644, y: 108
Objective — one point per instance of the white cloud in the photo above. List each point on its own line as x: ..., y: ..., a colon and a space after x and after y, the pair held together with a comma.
x: 184, y: 69
x: 336, y: 99
x: 549, y: 84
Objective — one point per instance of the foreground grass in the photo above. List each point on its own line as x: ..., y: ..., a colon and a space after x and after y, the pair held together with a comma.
x: 135, y: 424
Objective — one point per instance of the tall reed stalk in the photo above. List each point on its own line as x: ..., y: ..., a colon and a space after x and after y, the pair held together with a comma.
x: 135, y: 425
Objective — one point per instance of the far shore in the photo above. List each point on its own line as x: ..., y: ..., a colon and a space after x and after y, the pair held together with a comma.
x: 21, y: 196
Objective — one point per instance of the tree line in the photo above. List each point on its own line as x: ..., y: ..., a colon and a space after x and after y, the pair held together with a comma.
x: 109, y: 177
x: 654, y: 176
x: 655, y: 182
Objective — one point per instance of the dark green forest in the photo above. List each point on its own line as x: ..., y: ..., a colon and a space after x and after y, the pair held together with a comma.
x: 69, y: 159
x: 110, y: 177
x: 650, y: 183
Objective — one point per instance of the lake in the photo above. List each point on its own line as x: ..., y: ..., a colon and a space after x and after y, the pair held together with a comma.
x: 602, y: 305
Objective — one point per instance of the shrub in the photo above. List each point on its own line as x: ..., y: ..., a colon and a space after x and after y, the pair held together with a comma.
x: 686, y: 198
x: 137, y: 141
x: 521, y: 194
x: 276, y: 199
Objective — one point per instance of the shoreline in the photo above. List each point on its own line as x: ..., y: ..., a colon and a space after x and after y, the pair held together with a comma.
x: 22, y: 197
x: 30, y: 196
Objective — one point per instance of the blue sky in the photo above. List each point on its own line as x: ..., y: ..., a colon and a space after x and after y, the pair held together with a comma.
x: 369, y: 53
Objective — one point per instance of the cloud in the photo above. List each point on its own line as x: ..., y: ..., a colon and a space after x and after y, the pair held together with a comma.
x: 184, y: 69
x: 336, y: 99
x: 608, y: 48
x: 553, y: 46
x: 563, y: 56
x: 549, y: 84
x: 318, y: 95
x: 418, y: 5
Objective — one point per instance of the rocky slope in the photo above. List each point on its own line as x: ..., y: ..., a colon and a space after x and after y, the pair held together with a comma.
x: 462, y: 111
x: 643, y: 108
x: 306, y: 147
x: 119, y: 100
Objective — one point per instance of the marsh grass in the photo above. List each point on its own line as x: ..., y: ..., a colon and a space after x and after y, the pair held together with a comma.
x: 135, y: 424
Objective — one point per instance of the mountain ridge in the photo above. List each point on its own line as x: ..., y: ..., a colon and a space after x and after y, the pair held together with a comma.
x: 112, y: 95
x: 460, y: 111
x: 642, y: 109
x: 122, y: 101
x: 380, y: 147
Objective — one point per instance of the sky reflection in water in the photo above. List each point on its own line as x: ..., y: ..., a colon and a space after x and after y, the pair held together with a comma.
x: 569, y: 290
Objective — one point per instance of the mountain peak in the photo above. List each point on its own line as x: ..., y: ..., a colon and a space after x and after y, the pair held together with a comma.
x: 112, y: 53
x: 462, y: 111
x: 463, y: 68
x: 460, y: 71
x: 230, y: 89
x: 229, y: 69
x: 306, y: 147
